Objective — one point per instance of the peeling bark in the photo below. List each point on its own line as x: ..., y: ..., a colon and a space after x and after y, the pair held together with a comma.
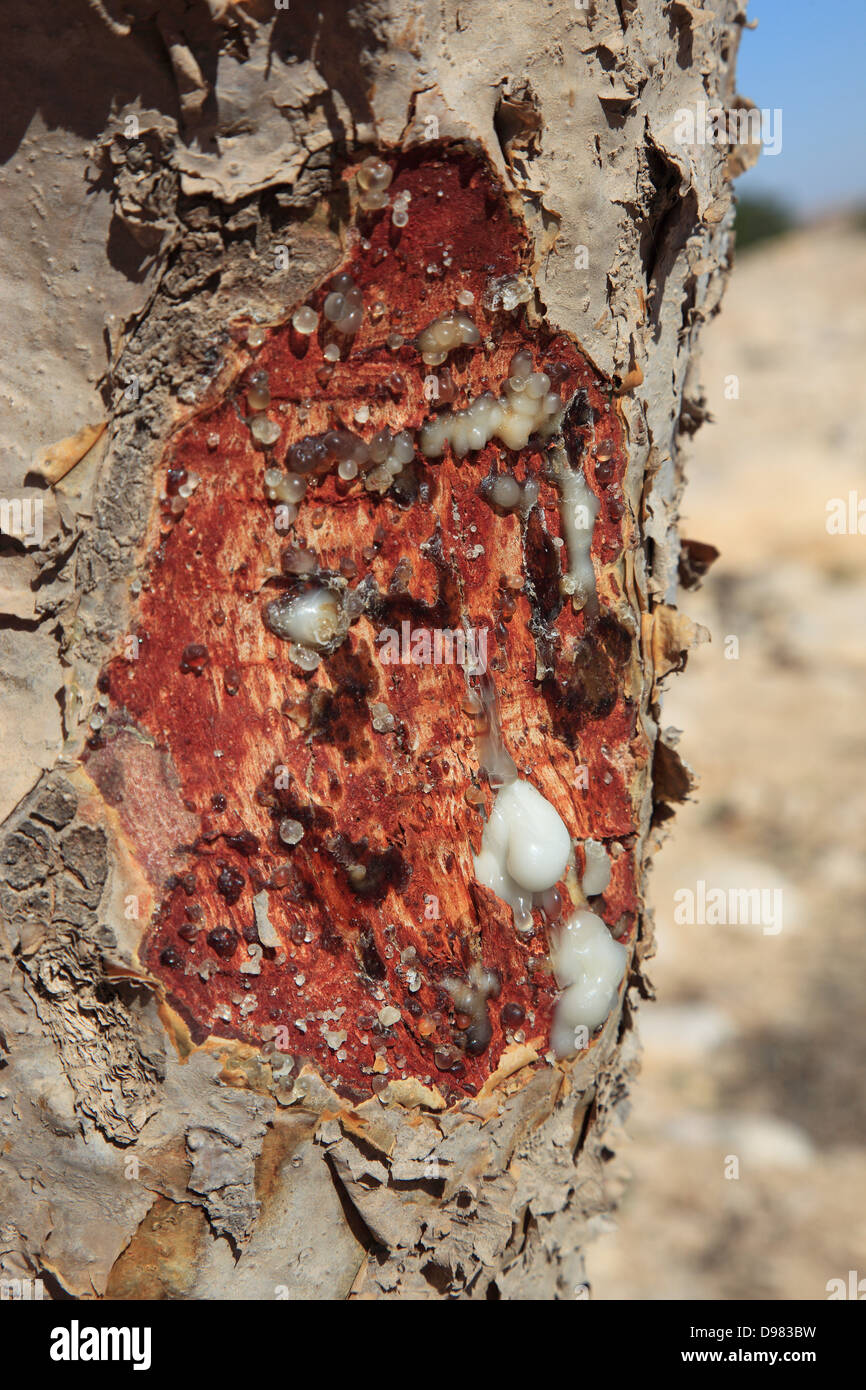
x: 159, y: 1139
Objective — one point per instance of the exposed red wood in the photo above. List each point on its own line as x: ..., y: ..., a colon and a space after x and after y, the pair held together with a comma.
x: 207, y: 578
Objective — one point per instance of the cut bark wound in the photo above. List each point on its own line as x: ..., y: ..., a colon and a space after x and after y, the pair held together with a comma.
x: 253, y: 740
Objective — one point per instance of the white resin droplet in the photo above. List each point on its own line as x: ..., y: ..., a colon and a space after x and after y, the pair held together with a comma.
x: 291, y: 832
x: 263, y: 430
x: 538, y: 385
x: 579, y: 511
x: 525, y: 847
x: 444, y: 334
x: 334, y: 307
x: 518, y: 414
x: 311, y: 620
x: 284, y: 487
x: 305, y: 320
x: 505, y: 491
x: 597, y: 874
x: 304, y: 657
x: 374, y: 175
x: 589, y: 966
x: 258, y: 395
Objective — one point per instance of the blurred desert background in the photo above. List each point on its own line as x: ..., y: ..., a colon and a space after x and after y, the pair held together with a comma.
x: 756, y: 1049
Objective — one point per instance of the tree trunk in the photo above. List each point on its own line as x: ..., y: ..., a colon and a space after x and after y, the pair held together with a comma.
x: 266, y: 1031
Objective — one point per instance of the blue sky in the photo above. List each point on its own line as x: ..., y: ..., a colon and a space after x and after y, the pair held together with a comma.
x: 807, y: 57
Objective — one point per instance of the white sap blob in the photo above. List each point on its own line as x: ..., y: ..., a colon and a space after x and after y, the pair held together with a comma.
x: 305, y: 320
x: 597, y: 874
x: 373, y: 178
x: 589, y: 966
x: 284, y: 487
x: 400, y: 209
x: 507, y: 292
x: 470, y: 997
x: 263, y: 430
x: 579, y: 511
x: 525, y: 848
x: 311, y: 620
x: 258, y: 392
x: 447, y: 332
x: 343, y: 307
x: 528, y: 407
x: 505, y: 491
x: 390, y: 453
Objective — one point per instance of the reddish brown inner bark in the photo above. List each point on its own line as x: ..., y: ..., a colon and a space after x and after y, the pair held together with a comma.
x: 208, y: 576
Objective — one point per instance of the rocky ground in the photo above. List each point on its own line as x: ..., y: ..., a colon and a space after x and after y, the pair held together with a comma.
x: 745, y: 1163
